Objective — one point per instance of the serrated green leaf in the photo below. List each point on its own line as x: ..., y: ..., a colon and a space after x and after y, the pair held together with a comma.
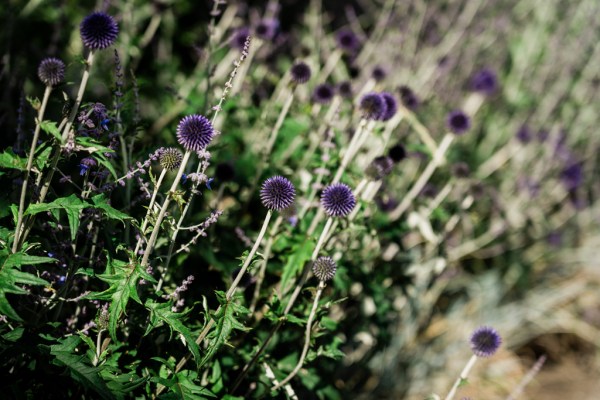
x: 301, y: 254
x: 50, y: 127
x: 185, y: 388
x: 72, y: 206
x: 226, y: 322
x: 11, y: 277
x: 122, y: 278
x: 100, y: 202
x: 162, y: 312
x: 82, y: 372
x: 8, y: 159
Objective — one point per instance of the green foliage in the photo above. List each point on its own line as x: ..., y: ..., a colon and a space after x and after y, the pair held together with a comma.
x: 11, y: 277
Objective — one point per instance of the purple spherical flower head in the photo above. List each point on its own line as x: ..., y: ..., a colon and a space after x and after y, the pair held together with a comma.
x: 338, y: 200
x: 524, y: 134
x: 391, y: 106
x: 458, y: 122
x: 397, y: 153
x: 277, y: 193
x: 98, y: 31
x: 51, y: 71
x: 195, y: 132
x: 484, y: 81
x: 238, y: 40
x: 408, y: 98
x: 324, y: 268
x: 379, y: 73
x: 347, y: 40
x: 485, y: 341
x: 373, y: 106
x: 267, y: 29
x: 300, y: 72
x: 572, y: 175
x: 345, y: 89
x: 323, y: 93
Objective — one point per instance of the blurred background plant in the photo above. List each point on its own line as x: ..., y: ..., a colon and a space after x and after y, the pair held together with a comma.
x: 496, y: 226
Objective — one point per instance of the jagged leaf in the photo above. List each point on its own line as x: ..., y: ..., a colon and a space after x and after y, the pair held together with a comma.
x: 226, y: 322
x: 81, y: 371
x: 162, y: 312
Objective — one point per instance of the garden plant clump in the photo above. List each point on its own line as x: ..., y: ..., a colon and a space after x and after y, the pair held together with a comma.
x: 295, y: 199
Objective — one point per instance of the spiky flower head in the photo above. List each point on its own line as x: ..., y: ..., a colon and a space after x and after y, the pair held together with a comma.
x: 391, y: 106
x: 323, y: 93
x: 372, y: 106
x: 98, y: 31
x: 408, y: 98
x: 345, y: 89
x: 397, y: 153
x: 458, y: 122
x: 300, y: 72
x: 51, y: 71
x: 195, y: 132
x: 277, y: 193
x: 484, y: 81
x: 170, y: 158
x: 338, y: 200
x: 324, y: 268
x: 347, y: 40
x: 380, y: 167
x: 485, y: 341
x: 267, y: 29
x: 379, y: 73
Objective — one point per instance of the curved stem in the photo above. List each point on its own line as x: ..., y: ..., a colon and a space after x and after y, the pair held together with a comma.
x: 149, y: 211
x: 36, y: 135
x: 232, y: 288
x: 163, y: 210
x: 462, y: 377
x: 311, y: 317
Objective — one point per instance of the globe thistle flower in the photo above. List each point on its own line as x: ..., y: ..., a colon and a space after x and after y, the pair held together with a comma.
x: 379, y: 73
x: 524, y: 134
x: 397, y: 153
x: 338, y: 200
x: 238, y: 40
x: 323, y: 93
x: 408, y: 98
x: 380, y: 167
x: 195, y: 132
x: 484, y: 81
x: 98, y: 31
x: 373, y: 106
x: 485, y: 341
x: 391, y: 106
x: 572, y: 175
x: 267, y: 29
x: 461, y: 169
x: 345, y: 89
x: 300, y: 72
x: 170, y: 158
x: 347, y: 41
x: 51, y: 71
x: 458, y: 122
x: 277, y: 193
x: 324, y: 268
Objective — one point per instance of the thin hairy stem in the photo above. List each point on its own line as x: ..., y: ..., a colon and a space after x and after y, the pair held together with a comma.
x: 311, y: 317
x: 462, y: 377
x: 36, y: 135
